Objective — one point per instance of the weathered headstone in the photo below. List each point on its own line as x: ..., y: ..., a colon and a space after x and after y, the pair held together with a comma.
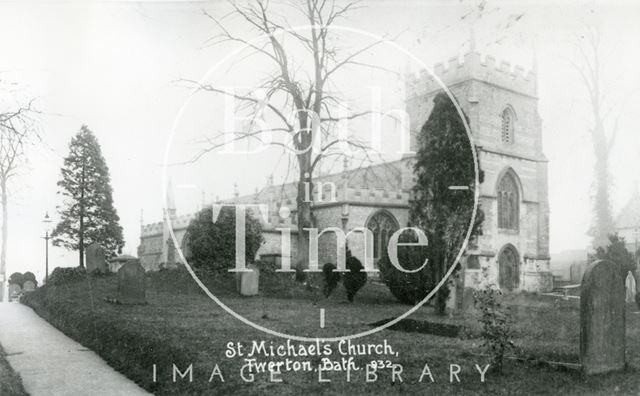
x: 247, y: 282
x: 170, y: 262
x: 630, y: 288
x: 14, y: 289
x: 28, y: 286
x: 131, y: 284
x: 602, y: 318
x: 95, y: 261
x: 452, y: 302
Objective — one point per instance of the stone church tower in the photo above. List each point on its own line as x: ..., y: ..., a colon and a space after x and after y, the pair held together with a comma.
x: 501, y: 103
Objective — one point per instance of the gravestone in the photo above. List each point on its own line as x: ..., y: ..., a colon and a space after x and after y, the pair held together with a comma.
x: 28, y: 286
x: 247, y: 282
x: 131, y: 284
x: 630, y: 287
x: 14, y: 289
x: 602, y: 318
x: 455, y: 294
x: 94, y: 258
x: 171, y: 255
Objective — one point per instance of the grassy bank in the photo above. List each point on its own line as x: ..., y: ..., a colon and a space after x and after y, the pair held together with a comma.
x: 183, y: 326
x: 10, y: 382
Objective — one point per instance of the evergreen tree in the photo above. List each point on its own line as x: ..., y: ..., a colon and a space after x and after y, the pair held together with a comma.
x: 212, y: 245
x: 87, y: 214
x: 444, y: 158
x: 617, y: 252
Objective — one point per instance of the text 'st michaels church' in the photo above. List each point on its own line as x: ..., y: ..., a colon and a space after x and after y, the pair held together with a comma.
x: 501, y: 103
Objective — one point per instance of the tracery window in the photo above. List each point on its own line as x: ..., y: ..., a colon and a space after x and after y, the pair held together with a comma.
x: 382, y: 226
x: 508, y: 202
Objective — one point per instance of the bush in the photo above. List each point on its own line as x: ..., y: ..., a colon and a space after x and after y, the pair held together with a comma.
x: 16, y: 279
x: 67, y: 275
x: 408, y: 288
x: 354, y: 278
x: 212, y: 245
x: 301, y: 276
x: 330, y: 279
x: 497, y: 323
x: 617, y: 252
x: 29, y: 276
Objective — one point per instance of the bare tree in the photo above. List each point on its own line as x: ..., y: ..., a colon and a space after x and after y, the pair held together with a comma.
x: 310, y: 94
x: 590, y: 69
x: 16, y: 130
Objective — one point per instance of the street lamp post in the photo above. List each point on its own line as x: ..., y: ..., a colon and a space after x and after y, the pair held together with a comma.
x: 46, y: 238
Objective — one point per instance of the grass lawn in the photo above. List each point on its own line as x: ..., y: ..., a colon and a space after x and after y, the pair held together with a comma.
x: 183, y: 326
x: 10, y: 382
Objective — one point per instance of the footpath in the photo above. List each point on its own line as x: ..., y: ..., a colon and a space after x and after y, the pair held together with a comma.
x: 50, y: 363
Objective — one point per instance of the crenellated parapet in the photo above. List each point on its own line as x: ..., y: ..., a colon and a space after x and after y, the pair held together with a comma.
x: 378, y: 196
x: 151, y: 229
x: 177, y: 222
x: 472, y: 67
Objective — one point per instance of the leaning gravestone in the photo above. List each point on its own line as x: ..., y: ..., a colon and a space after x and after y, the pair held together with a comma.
x: 602, y: 318
x: 95, y: 260
x: 247, y: 282
x: 28, y: 286
x: 131, y: 286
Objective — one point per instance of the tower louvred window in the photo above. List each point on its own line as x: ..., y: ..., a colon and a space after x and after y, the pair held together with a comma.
x: 507, y: 126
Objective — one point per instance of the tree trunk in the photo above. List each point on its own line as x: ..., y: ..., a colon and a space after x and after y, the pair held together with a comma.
x: 304, y: 220
x: 603, y: 224
x: 5, y: 230
x: 81, y: 228
x: 442, y: 294
x: 305, y: 192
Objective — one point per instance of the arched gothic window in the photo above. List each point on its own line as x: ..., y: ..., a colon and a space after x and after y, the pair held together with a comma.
x: 507, y: 126
x: 508, y: 202
x: 382, y: 226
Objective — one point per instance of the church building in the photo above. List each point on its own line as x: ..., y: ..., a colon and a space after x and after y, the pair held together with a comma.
x: 501, y: 103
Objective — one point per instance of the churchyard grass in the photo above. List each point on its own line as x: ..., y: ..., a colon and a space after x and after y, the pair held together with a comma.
x: 183, y: 326
x: 10, y: 382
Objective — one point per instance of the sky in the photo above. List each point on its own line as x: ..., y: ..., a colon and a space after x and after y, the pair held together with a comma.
x: 119, y: 67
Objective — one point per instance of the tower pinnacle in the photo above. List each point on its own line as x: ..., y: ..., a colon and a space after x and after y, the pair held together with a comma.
x: 170, y: 200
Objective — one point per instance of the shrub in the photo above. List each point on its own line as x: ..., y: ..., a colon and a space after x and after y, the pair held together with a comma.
x: 29, y: 276
x: 617, y: 252
x: 301, y: 276
x: 330, y: 279
x: 67, y: 275
x: 497, y: 323
x: 354, y: 278
x: 16, y: 279
x: 212, y: 245
x: 408, y: 288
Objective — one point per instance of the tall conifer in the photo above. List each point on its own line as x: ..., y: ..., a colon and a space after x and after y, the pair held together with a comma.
x: 87, y: 214
x: 444, y: 159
